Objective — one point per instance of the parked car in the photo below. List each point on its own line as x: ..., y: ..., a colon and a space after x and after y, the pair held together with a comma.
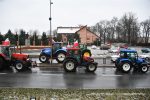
x: 113, y: 49
x: 58, y: 53
x: 93, y: 47
x: 146, y: 56
x: 105, y: 46
x: 145, y: 50
x: 129, y: 59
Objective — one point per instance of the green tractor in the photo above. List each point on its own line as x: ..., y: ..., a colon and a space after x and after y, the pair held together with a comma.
x: 79, y: 56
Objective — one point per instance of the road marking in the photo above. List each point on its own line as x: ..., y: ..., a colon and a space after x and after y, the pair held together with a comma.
x: 51, y: 74
x: 111, y: 75
x: 3, y: 73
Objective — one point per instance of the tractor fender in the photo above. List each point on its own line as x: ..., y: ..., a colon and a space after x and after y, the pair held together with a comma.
x: 62, y: 50
x: 46, y: 51
x: 72, y: 59
x: 124, y: 60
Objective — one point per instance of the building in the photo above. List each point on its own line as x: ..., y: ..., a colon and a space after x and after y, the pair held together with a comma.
x: 86, y: 36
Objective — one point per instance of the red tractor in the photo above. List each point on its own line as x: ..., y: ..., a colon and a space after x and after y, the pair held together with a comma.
x: 9, y: 57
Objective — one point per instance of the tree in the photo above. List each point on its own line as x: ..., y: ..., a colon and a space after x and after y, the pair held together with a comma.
x: 34, y: 39
x: 129, y: 28
x: 22, y: 37
x: 77, y: 37
x: 145, y: 25
x: 11, y: 37
x: 44, y: 39
x: 1, y: 38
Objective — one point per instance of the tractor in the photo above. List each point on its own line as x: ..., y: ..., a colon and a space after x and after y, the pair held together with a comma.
x: 57, y: 51
x: 129, y: 59
x: 77, y: 56
x: 9, y: 57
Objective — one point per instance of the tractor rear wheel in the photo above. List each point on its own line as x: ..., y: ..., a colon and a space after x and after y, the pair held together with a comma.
x: 69, y: 65
x: 126, y: 67
x: 144, y: 68
x: 91, y: 67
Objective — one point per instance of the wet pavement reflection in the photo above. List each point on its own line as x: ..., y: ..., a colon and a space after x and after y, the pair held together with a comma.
x: 56, y: 78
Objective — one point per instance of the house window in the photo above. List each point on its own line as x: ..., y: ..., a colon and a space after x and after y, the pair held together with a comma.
x: 88, y: 38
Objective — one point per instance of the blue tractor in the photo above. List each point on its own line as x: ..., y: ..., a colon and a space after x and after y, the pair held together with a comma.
x: 129, y: 59
x: 58, y: 53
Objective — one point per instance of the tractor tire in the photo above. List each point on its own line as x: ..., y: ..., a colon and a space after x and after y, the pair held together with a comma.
x: 19, y: 66
x: 86, y: 53
x: 1, y: 63
x: 70, y: 65
x: 60, y: 57
x: 43, y: 58
x: 125, y: 67
x: 144, y: 68
x: 91, y: 67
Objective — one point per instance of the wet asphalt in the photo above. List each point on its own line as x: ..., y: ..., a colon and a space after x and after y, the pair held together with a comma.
x: 57, y: 78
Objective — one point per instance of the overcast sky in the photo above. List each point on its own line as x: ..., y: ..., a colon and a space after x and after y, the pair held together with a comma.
x: 34, y: 14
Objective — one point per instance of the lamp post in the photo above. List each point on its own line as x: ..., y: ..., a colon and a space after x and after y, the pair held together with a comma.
x: 50, y: 19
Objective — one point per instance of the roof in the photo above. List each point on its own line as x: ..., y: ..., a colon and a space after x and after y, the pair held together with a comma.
x: 67, y: 30
x: 128, y: 50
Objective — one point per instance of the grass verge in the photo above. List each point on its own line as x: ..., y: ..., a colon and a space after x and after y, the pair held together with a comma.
x: 74, y: 94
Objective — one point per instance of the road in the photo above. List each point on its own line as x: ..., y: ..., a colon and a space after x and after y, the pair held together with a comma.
x: 56, y: 78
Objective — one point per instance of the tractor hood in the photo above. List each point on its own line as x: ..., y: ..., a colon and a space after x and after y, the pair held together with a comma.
x: 19, y: 56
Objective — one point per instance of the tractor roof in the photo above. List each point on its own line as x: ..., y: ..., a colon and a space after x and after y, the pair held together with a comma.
x: 128, y: 50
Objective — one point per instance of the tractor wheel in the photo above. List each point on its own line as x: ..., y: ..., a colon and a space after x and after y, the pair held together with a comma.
x: 86, y: 53
x: 126, y: 67
x: 91, y: 67
x: 144, y: 69
x: 69, y: 65
x: 19, y: 66
x: 1, y: 63
x: 43, y: 58
x: 60, y: 57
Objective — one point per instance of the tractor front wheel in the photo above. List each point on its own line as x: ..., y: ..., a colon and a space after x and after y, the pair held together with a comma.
x: 19, y: 66
x: 126, y: 67
x: 43, y: 58
x: 144, y: 69
x: 69, y: 65
x: 60, y: 57
x: 91, y: 67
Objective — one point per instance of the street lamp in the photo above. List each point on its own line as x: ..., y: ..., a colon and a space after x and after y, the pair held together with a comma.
x: 50, y: 19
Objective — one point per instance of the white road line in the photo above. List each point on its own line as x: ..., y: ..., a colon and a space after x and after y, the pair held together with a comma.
x: 2, y: 73
x: 111, y: 75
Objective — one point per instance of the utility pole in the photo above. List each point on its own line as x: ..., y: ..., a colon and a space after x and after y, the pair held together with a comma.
x: 50, y: 19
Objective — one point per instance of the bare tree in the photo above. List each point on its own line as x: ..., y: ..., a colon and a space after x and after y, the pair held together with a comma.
x: 129, y: 28
x: 145, y: 25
